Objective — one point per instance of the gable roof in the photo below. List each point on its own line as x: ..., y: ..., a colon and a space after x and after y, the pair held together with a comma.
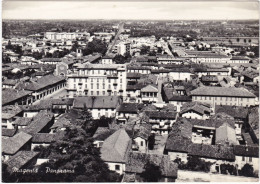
x: 236, y: 112
x: 43, y: 138
x: 115, y: 148
x: 102, y: 133
x: 222, y: 91
x: 161, y: 114
x: 22, y: 121
x: 39, y: 122
x: 10, y: 95
x: 249, y: 151
x: 130, y: 107
x: 198, y: 107
x: 226, y: 134
x: 13, y: 144
x: 149, y: 88
x: 20, y: 159
x: 8, y: 132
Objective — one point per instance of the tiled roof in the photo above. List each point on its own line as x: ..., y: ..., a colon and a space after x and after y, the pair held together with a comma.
x: 63, y: 122
x: 51, y: 60
x: 8, y: 132
x: 39, y: 122
x: 253, y: 120
x: 239, y: 58
x: 11, y: 95
x: 149, y: 88
x: 43, y: 138
x: 97, y: 102
x: 11, y: 82
x: 161, y: 114
x: 136, y: 163
x: 102, y: 133
x: 209, y: 78
x: 10, y: 111
x: 134, y: 75
x: 236, y: 112
x: 248, y: 151
x: 20, y: 159
x: 212, y: 151
x: 130, y: 107
x: 13, y: 144
x: 222, y: 91
x: 143, y: 130
x: 22, y: 121
x: 43, y: 82
x: 116, y: 147
x: 196, y: 107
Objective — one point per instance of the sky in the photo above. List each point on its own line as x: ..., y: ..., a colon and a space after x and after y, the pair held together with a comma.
x: 166, y: 10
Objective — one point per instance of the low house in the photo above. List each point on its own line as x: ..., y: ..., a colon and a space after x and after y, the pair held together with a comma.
x: 128, y: 110
x: 224, y: 96
x: 6, y: 133
x: 149, y: 93
x: 9, y: 115
x: 209, y: 80
x: 212, y: 71
x: 171, y: 96
x: 247, y: 155
x: 44, y: 86
x: 239, y: 59
x: 9, y: 83
x: 161, y: 121
x: 16, y: 97
x: 240, y: 115
x: 98, y: 105
x: 62, y: 68
x: 22, y: 160
x: 42, y: 139
x: 22, y: 122
x: 108, y: 59
x: 196, y: 110
x: 141, y: 135
x: 115, y: 149
x: 191, y: 137
x: 101, y: 134
x: 136, y: 162
x: 41, y: 123
x: 10, y: 146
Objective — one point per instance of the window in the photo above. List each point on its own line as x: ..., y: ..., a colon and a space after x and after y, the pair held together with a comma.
x: 250, y: 159
x: 74, y: 80
x: 209, y: 98
x: 142, y: 143
x: 220, y: 98
x: 98, y: 71
x: 91, y: 85
x: 247, y: 99
x: 117, y: 167
x: 243, y: 158
x: 104, y: 85
x: 97, y: 92
x: 80, y: 87
x: 80, y: 79
x: 104, y: 93
x: 75, y: 86
x: 195, y: 98
x: 86, y: 86
x: 121, y: 80
x: 91, y: 92
x: 97, y: 80
x: 205, y: 98
x: 91, y: 79
x: 109, y: 81
x: 97, y: 86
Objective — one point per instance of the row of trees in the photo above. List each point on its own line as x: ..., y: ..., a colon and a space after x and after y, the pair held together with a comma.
x: 73, y: 152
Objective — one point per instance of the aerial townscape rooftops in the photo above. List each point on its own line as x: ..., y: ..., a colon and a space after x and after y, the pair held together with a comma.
x: 131, y: 100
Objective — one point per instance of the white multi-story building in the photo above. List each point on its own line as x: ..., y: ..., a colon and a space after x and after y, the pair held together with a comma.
x: 98, y: 80
x: 64, y: 35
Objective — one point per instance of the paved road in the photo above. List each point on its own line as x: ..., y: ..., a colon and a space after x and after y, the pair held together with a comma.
x: 120, y: 29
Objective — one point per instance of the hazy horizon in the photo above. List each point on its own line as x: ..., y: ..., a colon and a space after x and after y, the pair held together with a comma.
x: 130, y: 10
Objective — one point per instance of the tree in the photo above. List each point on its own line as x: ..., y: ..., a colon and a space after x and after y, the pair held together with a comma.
x: 151, y: 141
x: 151, y: 173
x: 104, y: 121
x: 144, y: 50
x: 227, y: 168
x: 247, y: 170
x: 74, y: 152
x: 196, y: 164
